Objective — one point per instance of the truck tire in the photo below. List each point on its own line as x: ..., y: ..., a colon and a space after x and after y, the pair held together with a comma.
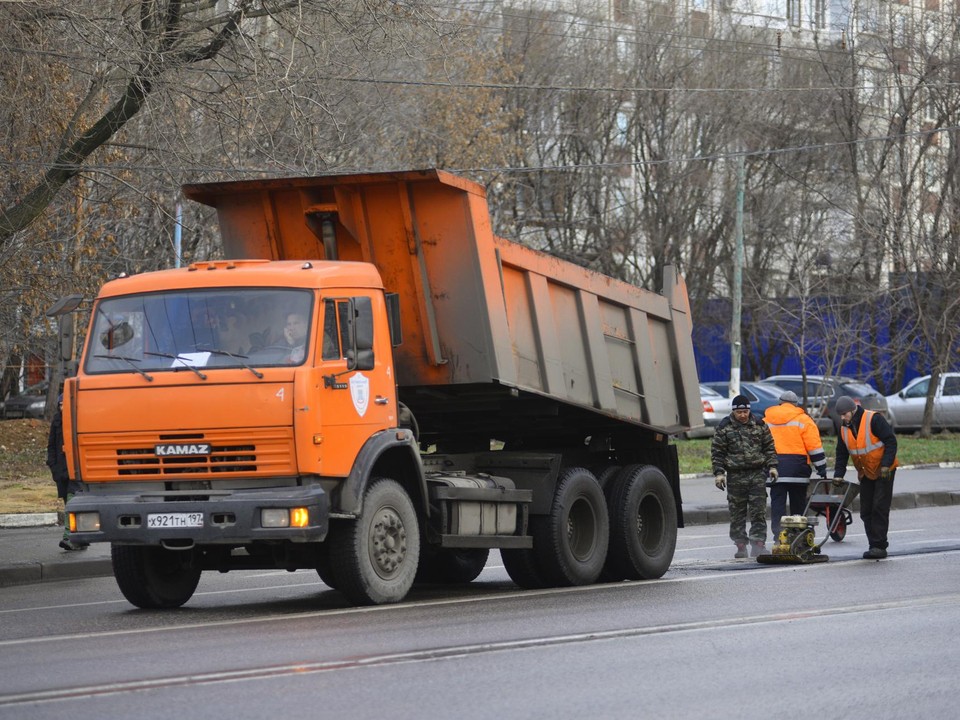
x: 373, y: 559
x: 522, y: 564
x: 643, y: 525
x: 571, y: 546
x: 452, y: 565
x: 604, y: 477
x: 152, y: 577
x: 323, y: 565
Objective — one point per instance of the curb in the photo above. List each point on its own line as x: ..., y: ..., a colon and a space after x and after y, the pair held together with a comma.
x: 921, y: 466
x: 30, y: 573
x: 21, y: 520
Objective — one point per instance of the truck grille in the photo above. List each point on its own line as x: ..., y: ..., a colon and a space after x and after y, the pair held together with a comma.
x: 113, y: 458
x: 142, y: 461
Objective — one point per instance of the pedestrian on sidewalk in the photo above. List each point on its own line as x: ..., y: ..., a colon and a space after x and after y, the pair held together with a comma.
x: 57, y: 462
x: 742, y: 454
x: 868, y: 441
x: 798, y: 444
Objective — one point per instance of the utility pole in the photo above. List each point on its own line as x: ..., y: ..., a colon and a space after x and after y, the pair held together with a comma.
x: 177, y: 234
x: 737, y: 285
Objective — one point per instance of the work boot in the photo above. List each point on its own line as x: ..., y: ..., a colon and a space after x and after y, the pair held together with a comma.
x: 70, y: 545
x: 875, y: 553
x: 758, y: 548
x: 741, y: 551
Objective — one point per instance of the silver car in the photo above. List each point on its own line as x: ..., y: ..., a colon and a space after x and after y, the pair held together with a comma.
x: 906, y: 406
x: 822, y: 393
x: 715, y: 408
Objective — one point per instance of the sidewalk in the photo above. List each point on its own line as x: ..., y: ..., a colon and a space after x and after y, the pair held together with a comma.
x: 29, y: 552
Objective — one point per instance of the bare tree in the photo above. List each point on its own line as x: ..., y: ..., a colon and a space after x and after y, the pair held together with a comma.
x: 109, y: 106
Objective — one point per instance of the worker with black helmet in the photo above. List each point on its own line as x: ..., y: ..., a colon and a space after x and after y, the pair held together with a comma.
x: 868, y: 441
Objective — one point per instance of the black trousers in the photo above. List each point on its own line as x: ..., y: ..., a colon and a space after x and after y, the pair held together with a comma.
x: 875, y: 498
x: 779, y: 493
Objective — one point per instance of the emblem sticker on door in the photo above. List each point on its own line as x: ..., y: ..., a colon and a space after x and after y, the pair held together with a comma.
x: 360, y: 393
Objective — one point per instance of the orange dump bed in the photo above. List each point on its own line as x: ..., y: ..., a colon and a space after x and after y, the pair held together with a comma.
x: 481, y: 315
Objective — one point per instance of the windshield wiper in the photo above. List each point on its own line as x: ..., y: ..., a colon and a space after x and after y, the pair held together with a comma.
x: 130, y: 361
x: 238, y: 358
x: 181, y: 359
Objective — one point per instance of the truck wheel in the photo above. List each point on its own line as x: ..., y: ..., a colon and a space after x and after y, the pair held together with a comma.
x: 373, y: 559
x: 522, y: 564
x: 643, y: 524
x: 605, y: 476
x: 152, y: 577
x: 571, y: 545
x: 840, y: 531
x: 452, y: 565
x: 322, y: 558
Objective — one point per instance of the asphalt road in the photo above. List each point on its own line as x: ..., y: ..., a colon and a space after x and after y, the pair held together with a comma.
x: 716, y: 637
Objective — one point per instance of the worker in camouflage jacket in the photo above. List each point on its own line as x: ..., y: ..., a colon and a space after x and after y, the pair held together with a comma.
x: 742, y: 454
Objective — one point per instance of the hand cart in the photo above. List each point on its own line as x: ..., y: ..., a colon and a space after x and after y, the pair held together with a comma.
x: 834, y: 506
x: 797, y: 541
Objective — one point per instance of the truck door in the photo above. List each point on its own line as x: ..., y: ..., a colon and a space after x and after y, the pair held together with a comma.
x: 358, y: 397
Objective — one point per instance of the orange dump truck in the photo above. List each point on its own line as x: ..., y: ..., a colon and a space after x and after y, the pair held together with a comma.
x: 375, y: 387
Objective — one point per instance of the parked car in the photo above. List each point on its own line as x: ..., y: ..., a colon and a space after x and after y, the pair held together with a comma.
x: 31, y: 403
x: 906, y: 406
x: 715, y: 408
x: 822, y: 394
x: 761, y: 394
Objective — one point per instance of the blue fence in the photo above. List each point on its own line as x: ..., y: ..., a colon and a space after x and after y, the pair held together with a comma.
x: 885, y: 347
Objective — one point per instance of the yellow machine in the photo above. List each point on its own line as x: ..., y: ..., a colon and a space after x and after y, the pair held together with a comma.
x: 797, y: 543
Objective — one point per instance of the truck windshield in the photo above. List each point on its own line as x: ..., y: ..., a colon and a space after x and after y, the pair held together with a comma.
x: 190, y: 329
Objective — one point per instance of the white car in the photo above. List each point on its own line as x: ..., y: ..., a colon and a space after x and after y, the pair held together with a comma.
x: 715, y: 408
x: 906, y: 406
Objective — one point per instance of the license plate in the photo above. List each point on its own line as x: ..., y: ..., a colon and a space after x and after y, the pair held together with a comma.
x: 174, y: 520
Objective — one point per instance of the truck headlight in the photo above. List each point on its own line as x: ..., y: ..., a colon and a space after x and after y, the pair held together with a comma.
x: 85, y: 522
x: 284, y: 517
x: 275, y: 517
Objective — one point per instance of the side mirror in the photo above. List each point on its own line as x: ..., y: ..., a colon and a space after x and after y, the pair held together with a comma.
x: 66, y: 328
x: 365, y: 360
x: 116, y: 335
x: 360, y: 355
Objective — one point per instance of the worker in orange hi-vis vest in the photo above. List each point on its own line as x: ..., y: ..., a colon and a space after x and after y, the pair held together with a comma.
x: 868, y: 441
x: 798, y: 446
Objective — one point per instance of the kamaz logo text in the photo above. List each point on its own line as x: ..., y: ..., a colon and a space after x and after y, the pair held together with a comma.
x: 182, y: 449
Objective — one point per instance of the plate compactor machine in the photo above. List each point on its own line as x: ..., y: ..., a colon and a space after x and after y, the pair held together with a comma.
x: 797, y: 542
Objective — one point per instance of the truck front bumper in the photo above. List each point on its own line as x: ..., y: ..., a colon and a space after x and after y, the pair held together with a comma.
x: 224, y: 517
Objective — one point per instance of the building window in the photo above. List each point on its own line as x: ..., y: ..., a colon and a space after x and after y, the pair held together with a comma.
x: 819, y: 19
x: 793, y: 13
x: 868, y: 20
x: 899, y: 21
x: 931, y: 171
